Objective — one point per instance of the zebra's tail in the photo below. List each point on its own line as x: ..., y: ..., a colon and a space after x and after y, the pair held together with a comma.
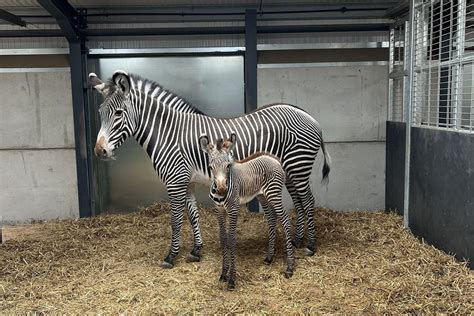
x: 327, y: 163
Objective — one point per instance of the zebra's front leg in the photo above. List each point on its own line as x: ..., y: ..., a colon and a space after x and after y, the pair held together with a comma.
x: 271, y: 219
x: 193, y: 215
x: 223, y: 237
x: 178, y: 200
x: 232, y: 245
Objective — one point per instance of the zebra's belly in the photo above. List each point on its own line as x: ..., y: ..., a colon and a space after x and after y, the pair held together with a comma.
x: 246, y: 199
x: 199, y: 177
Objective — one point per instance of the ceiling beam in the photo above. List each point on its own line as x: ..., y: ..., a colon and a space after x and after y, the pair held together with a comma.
x: 204, y: 30
x: 11, y: 18
x: 66, y: 16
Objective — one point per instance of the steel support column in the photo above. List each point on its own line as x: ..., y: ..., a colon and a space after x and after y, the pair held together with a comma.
x: 250, y: 71
x: 70, y: 22
x: 83, y: 157
x: 409, y: 114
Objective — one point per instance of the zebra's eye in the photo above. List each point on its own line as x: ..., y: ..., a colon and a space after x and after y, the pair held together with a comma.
x: 118, y: 113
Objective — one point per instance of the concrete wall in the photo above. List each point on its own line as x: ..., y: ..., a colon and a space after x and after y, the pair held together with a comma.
x: 37, y: 157
x: 350, y: 103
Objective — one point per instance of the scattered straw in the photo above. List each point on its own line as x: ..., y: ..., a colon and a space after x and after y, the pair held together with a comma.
x: 365, y: 263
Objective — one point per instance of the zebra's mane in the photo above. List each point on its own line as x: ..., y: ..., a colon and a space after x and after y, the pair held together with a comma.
x: 187, y: 106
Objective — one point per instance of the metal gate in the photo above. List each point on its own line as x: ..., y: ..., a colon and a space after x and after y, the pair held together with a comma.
x: 443, y: 65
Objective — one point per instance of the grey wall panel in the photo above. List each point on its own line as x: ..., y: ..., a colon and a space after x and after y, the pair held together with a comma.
x: 442, y: 190
x: 356, y: 180
x: 37, y: 163
x: 357, y: 177
x: 215, y: 84
x: 37, y: 184
x: 37, y: 110
x: 349, y: 102
x: 395, y: 166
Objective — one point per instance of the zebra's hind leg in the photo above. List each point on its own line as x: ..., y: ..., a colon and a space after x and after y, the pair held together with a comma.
x: 300, y: 216
x: 276, y: 206
x: 177, y: 196
x: 271, y: 218
x: 307, y: 197
x: 193, y: 215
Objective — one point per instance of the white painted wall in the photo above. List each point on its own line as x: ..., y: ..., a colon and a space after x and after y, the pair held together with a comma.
x: 37, y: 158
x: 350, y: 103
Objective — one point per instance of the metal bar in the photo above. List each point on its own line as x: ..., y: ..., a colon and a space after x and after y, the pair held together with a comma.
x: 430, y: 58
x: 31, y: 33
x: 329, y: 64
x: 34, y: 51
x: 11, y: 18
x: 74, y: 34
x: 390, y: 70
x: 170, y: 50
x: 78, y: 102
x: 250, y: 73
x: 405, y: 83
x: 458, y: 83
x: 66, y: 16
x: 236, y: 49
x: 51, y: 69
x: 383, y: 44
x: 408, y: 116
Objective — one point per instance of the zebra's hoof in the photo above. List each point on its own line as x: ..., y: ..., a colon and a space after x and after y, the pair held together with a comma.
x: 309, y: 251
x: 297, y: 242
x: 231, y: 284
x: 223, y: 278
x: 193, y: 258
x: 166, y: 265
x: 288, y: 274
x: 268, y: 261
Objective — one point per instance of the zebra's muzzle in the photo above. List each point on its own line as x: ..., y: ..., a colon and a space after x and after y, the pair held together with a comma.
x: 101, y: 150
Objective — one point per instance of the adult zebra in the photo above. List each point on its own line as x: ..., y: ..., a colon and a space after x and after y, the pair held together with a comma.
x: 168, y: 128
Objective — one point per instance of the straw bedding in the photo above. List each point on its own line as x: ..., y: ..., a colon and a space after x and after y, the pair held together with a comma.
x: 365, y: 263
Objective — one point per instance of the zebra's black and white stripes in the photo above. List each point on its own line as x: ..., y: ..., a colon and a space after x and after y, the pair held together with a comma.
x: 168, y: 128
x: 234, y: 183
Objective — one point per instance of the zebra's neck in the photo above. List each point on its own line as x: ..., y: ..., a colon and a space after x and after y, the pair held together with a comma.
x: 145, y: 91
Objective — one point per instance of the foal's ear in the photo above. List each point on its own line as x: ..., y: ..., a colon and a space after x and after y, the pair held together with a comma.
x: 122, y: 80
x: 204, y: 143
x: 229, y: 144
x: 96, y: 83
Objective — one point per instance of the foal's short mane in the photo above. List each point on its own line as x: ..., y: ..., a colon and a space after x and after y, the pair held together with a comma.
x: 256, y: 155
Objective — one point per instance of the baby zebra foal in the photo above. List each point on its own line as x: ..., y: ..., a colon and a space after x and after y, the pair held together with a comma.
x: 237, y: 182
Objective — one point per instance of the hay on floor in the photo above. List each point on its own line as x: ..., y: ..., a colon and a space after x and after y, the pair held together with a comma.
x: 365, y: 263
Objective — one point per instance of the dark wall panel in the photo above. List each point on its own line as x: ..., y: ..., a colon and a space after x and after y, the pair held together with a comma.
x: 395, y: 166
x: 442, y: 190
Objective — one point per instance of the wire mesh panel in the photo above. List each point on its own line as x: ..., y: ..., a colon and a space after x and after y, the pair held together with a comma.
x: 443, y: 64
x: 397, y: 69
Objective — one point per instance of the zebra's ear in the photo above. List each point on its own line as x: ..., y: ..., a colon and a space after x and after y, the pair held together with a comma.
x: 204, y: 143
x: 96, y: 83
x: 122, y: 80
x: 229, y: 144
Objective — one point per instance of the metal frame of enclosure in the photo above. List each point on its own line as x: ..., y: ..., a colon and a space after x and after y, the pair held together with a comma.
x: 430, y: 128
